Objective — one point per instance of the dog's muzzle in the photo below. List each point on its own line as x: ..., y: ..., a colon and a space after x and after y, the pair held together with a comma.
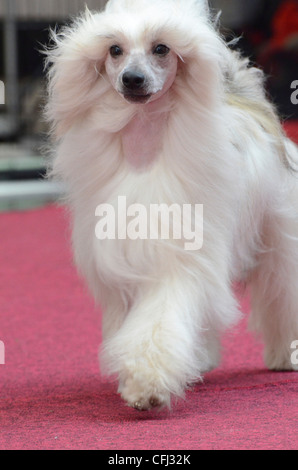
x: 134, y: 87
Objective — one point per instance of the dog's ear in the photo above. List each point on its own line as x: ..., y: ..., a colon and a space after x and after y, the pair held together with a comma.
x: 74, y: 63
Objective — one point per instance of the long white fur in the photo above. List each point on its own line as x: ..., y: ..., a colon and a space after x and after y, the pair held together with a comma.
x: 220, y: 145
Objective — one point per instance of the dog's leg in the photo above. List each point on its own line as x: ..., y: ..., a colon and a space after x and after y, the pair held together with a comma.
x: 274, y: 290
x: 159, y: 350
x: 115, y: 310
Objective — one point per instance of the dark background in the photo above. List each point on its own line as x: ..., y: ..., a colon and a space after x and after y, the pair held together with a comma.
x: 269, y: 36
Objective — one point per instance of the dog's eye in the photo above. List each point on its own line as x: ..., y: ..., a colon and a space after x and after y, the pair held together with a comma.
x: 116, y: 51
x: 161, y: 50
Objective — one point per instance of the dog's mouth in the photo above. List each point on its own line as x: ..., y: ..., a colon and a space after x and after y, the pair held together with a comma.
x: 137, y: 98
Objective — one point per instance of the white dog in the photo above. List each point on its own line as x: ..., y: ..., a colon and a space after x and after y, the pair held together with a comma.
x: 147, y: 101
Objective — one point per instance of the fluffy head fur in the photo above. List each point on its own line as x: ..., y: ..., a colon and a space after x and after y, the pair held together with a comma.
x: 147, y: 101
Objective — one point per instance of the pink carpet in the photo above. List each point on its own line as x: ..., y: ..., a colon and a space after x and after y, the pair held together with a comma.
x: 52, y: 396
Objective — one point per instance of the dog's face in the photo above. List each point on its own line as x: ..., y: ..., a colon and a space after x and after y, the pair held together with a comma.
x: 141, y: 72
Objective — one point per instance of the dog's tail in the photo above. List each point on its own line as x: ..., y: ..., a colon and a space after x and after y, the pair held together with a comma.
x: 245, y: 91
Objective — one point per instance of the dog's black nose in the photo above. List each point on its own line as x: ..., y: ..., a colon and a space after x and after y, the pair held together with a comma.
x: 133, y: 80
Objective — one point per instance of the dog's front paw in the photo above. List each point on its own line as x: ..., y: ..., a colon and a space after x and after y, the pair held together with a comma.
x: 281, y: 359
x: 144, y: 393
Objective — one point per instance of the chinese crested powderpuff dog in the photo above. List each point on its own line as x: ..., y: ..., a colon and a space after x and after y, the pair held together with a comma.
x: 147, y: 102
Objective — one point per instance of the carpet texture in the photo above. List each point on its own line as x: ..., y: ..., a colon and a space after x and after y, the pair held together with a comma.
x: 51, y: 392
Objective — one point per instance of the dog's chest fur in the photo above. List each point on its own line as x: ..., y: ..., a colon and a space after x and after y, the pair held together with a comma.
x: 142, y: 139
